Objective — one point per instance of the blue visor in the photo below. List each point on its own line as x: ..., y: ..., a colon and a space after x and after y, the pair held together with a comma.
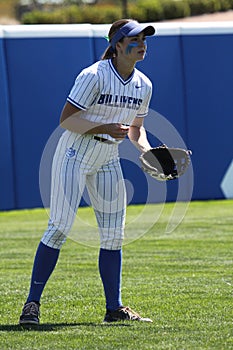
x: 131, y: 28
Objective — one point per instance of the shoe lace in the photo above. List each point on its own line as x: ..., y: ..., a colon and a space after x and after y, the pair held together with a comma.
x: 31, y: 309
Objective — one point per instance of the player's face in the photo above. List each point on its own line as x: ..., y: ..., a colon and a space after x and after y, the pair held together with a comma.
x: 134, y: 48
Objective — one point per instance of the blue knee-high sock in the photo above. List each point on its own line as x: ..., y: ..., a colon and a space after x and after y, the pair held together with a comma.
x: 44, y: 264
x: 110, y: 262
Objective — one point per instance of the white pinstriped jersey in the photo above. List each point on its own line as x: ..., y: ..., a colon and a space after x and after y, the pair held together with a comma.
x: 105, y: 97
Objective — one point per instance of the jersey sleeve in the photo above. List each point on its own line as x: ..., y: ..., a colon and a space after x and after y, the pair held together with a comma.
x: 85, y: 90
x: 144, y: 108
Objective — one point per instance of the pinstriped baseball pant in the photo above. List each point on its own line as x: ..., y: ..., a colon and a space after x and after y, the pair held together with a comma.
x: 81, y: 161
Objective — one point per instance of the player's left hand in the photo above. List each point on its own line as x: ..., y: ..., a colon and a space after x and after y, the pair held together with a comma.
x: 164, y: 163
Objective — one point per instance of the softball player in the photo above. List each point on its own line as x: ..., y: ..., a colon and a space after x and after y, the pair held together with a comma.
x: 108, y: 101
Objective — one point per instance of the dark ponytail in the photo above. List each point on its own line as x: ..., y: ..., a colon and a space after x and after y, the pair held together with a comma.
x: 108, y: 53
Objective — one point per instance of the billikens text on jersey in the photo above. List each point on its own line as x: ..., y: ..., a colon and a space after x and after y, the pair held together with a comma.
x: 120, y: 101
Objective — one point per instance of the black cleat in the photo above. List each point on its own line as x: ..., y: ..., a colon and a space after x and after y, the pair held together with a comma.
x: 30, y: 314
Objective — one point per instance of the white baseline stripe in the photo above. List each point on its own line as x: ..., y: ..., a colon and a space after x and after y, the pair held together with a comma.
x: 101, y: 30
x: 46, y: 31
x: 195, y: 28
x: 208, y: 28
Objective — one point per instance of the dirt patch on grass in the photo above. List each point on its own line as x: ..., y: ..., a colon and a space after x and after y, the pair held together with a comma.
x: 210, y: 17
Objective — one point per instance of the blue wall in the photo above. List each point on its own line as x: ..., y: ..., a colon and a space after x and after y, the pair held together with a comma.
x: 192, y: 72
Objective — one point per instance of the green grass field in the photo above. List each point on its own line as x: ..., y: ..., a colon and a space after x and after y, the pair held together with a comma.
x: 182, y: 280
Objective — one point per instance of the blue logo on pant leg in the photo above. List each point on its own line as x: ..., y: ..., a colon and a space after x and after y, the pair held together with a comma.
x: 70, y: 152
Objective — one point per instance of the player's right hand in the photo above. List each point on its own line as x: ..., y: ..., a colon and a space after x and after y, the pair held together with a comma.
x: 117, y: 130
